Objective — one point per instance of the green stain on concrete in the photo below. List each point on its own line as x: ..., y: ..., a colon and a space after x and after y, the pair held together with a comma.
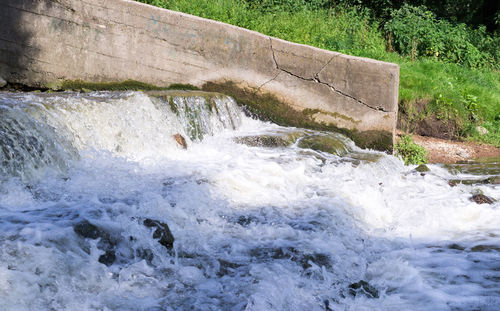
x: 180, y: 86
x: 269, y: 108
x: 337, y: 115
x: 127, y: 85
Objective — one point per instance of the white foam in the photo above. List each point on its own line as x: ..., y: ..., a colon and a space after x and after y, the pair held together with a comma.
x: 255, y: 228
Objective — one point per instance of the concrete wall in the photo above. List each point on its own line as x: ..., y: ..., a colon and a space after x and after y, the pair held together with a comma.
x: 46, y: 41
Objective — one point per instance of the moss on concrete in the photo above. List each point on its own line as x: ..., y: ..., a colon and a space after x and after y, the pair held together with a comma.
x: 337, y: 115
x: 86, y: 86
x: 180, y: 86
x: 127, y: 85
x: 269, y: 108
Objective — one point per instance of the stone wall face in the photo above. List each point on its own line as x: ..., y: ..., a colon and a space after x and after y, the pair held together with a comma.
x: 43, y: 42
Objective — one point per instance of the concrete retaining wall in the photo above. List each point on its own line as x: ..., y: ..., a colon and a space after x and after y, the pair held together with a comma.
x: 46, y: 41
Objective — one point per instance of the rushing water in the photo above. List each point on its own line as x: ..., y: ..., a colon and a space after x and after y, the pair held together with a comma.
x: 256, y: 228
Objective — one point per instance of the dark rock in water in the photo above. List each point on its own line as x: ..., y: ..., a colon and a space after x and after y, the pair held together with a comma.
x: 108, y: 258
x: 88, y: 230
x: 246, y: 220
x: 364, y: 288
x: 318, y: 259
x: 2, y: 82
x: 485, y: 248
x: 162, y: 232
x: 422, y: 168
x: 306, y: 260
x: 227, y: 267
x: 456, y: 247
x: 268, y: 253
x: 487, y: 181
x: 482, y: 199
x: 180, y: 140
x: 327, y: 305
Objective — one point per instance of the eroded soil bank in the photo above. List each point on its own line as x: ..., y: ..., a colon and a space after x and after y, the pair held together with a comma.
x: 447, y: 151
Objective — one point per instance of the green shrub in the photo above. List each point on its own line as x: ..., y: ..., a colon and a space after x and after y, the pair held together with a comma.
x: 410, y: 152
x: 416, y: 32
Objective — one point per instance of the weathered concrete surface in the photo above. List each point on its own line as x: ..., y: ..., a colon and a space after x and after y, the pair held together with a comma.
x: 45, y: 41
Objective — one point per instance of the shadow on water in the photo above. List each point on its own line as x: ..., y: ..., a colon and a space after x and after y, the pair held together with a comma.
x: 16, y: 49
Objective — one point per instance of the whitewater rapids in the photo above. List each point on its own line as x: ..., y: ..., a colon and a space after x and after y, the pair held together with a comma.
x: 256, y: 228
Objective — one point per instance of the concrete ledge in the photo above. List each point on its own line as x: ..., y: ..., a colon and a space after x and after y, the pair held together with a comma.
x: 46, y: 41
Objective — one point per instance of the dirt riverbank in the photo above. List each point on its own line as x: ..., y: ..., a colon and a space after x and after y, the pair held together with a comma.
x: 447, y: 151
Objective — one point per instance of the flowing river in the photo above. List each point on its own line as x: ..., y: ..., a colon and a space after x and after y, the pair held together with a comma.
x: 261, y: 222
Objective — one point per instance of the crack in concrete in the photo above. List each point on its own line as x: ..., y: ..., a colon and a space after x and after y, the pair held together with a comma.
x: 327, y: 63
x: 270, y: 80
x: 318, y: 80
x: 272, y: 51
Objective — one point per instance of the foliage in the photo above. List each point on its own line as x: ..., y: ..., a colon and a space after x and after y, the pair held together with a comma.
x: 410, y: 152
x: 470, y: 12
x: 416, y: 32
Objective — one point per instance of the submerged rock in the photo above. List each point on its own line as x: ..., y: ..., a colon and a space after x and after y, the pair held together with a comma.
x: 227, y: 267
x: 457, y: 247
x: 305, y: 260
x: 274, y: 140
x: 364, y: 288
x: 422, y: 168
x: 321, y: 260
x: 485, y: 248
x: 87, y: 230
x: 162, y: 232
x: 480, y: 198
x: 270, y: 141
x: 325, y: 143
x: 108, y: 257
x: 180, y: 140
x: 491, y: 180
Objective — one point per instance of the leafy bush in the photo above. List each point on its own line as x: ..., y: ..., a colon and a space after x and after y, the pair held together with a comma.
x: 410, y: 152
x: 416, y: 32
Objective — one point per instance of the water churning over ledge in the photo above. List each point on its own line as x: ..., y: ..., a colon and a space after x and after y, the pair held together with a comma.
x: 260, y: 220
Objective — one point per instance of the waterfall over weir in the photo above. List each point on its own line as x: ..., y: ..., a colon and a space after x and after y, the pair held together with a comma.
x: 263, y: 217
x: 46, y: 130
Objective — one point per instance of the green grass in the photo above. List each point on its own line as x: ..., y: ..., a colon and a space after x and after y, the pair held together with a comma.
x: 469, y: 96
